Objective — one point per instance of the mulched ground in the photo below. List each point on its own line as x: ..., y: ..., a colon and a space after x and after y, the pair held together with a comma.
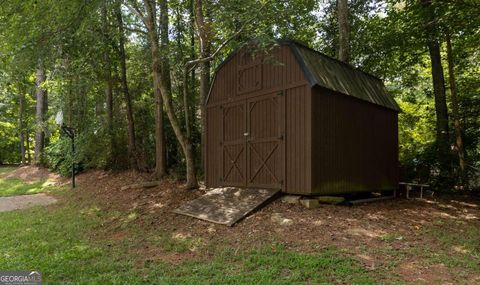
x: 360, y: 230
x: 34, y: 174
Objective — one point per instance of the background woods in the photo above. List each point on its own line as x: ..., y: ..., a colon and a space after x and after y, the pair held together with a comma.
x: 131, y: 76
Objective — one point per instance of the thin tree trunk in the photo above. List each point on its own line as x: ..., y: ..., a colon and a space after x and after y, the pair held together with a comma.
x: 165, y: 89
x: 27, y: 137
x: 191, y: 85
x: 343, y: 31
x: 108, y: 79
x: 455, y: 113
x: 109, y: 99
x: 21, y: 122
x: 204, y: 39
x: 151, y: 23
x: 132, y: 146
x: 441, y: 111
x: 98, y: 108
x: 41, y: 96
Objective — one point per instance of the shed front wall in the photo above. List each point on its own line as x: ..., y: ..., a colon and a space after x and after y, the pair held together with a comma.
x: 258, y: 123
x: 354, y: 145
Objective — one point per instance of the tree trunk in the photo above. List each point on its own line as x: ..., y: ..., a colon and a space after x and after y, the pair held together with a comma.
x: 27, y: 137
x: 455, y: 113
x: 41, y: 105
x: 441, y: 111
x: 343, y: 31
x: 191, y: 86
x: 165, y: 90
x: 204, y: 39
x: 21, y: 122
x: 160, y: 149
x: 132, y: 146
x: 108, y: 79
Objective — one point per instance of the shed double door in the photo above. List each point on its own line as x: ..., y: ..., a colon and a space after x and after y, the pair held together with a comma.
x: 253, y: 142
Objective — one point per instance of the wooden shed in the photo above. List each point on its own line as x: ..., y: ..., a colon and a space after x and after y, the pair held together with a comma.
x: 297, y: 120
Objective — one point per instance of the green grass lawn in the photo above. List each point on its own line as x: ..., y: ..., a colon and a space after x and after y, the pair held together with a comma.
x: 13, y: 186
x: 57, y: 241
x: 461, y: 244
x: 6, y: 169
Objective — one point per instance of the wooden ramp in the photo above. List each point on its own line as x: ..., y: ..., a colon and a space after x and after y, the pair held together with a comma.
x: 226, y: 206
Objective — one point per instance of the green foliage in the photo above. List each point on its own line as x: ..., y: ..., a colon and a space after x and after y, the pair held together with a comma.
x: 58, y: 156
x: 90, y: 152
x: 9, y: 145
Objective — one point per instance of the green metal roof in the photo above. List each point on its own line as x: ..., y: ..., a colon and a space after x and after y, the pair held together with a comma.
x: 335, y: 75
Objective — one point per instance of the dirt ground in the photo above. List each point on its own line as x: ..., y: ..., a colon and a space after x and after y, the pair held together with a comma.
x: 25, y: 201
x: 34, y: 174
x: 388, y: 236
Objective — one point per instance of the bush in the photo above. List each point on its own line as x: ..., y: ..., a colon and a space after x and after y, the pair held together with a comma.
x: 9, y: 144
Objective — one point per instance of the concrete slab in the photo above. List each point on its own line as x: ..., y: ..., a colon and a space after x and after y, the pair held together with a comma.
x: 24, y: 201
x: 227, y: 205
x: 330, y: 199
x: 310, y: 203
x: 291, y: 199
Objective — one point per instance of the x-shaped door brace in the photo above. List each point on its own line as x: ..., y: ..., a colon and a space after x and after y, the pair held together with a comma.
x: 234, y: 163
x: 264, y: 163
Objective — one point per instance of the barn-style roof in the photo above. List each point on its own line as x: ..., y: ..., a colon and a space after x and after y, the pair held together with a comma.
x: 322, y: 70
x: 333, y: 74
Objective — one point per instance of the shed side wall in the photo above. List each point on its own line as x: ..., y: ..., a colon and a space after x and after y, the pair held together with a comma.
x: 298, y: 140
x: 354, y: 145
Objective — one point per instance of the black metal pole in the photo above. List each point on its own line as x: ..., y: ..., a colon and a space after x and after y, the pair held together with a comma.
x: 73, y: 160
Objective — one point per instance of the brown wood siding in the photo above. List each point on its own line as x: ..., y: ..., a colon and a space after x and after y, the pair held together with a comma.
x: 233, y: 144
x: 354, y: 145
x: 261, y: 85
x: 214, y: 138
x: 265, y: 157
x: 297, y: 140
x: 240, y: 78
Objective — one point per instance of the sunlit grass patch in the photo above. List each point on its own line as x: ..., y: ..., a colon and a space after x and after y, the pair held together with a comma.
x: 15, y: 186
x: 6, y: 169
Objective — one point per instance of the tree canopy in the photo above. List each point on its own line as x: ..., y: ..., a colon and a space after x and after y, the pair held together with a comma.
x: 131, y: 76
